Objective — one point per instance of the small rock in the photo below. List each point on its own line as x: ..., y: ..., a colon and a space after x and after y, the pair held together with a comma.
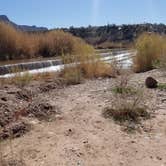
x: 159, y: 158
x: 150, y: 82
x: 4, y: 99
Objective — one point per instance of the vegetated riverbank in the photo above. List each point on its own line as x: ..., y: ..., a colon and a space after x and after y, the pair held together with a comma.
x: 123, y: 57
x: 67, y: 125
x: 109, y: 119
x: 16, y: 44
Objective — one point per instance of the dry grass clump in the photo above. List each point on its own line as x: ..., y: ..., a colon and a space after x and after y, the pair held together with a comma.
x: 150, y: 48
x: 76, y: 73
x: 97, y: 69
x: 71, y: 75
x: 128, y: 105
x: 85, y: 66
x: 15, y: 44
x: 122, y: 85
x: 128, y: 111
x: 21, y: 80
x: 126, y: 114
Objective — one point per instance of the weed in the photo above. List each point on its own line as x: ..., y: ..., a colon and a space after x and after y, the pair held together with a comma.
x: 121, y: 90
x: 71, y: 75
x: 162, y: 86
x: 128, y: 113
x: 21, y: 80
x: 128, y: 106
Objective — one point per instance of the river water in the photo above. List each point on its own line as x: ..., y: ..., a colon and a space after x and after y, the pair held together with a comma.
x: 124, y: 57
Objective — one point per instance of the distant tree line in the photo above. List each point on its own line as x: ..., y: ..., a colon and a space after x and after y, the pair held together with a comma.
x: 97, y: 35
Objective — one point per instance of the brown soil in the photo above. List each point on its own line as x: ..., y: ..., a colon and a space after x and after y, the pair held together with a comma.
x: 78, y: 134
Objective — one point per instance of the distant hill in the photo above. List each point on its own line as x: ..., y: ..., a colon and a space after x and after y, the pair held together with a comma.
x: 4, y: 18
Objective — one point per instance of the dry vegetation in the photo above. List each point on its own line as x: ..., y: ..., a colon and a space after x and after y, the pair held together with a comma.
x: 151, y: 50
x: 81, y: 62
x: 128, y: 107
x: 114, y: 45
x: 85, y: 66
x: 15, y: 44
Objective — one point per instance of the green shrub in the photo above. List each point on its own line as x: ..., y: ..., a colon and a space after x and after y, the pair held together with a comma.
x: 126, y: 114
x: 121, y: 90
x: 162, y: 86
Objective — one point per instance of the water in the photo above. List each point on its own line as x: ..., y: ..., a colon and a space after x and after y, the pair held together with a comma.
x: 123, y: 57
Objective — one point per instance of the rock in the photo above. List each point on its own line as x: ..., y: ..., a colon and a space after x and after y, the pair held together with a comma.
x: 4, y: 98
x: 150, y: 82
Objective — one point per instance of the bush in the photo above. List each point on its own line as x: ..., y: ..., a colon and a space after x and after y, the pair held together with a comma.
x: 126, y: 114
x: 150, y: 48
x: 8, y: 41
x: 15, y: 44
x: 21, y: 80
x: 128, y: 106
x: 71, y: 75
x: 85, y: 66
x: 128, y: 111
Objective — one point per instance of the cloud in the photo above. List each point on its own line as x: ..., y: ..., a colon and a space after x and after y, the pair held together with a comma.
x: 95, y: 11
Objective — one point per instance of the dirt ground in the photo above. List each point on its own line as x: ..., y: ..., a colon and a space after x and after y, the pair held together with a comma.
x: 79, y: 135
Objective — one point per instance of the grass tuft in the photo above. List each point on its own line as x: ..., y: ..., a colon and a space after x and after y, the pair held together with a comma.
x: 162, y: 86
x: 126, y: 114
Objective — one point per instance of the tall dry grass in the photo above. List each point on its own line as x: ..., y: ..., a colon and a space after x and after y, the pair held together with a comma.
x: 150, y: 49
x: 85, y: 66
x: 15, y: 44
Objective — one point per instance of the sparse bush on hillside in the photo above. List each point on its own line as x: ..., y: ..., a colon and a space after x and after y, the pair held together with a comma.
x: 15, y: 44
x: 150, y: 49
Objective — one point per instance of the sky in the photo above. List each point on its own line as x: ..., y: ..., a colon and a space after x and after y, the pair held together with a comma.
x: 66, y: 13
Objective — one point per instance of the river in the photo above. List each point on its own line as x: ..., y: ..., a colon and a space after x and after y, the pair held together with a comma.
x: 123, y: 57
